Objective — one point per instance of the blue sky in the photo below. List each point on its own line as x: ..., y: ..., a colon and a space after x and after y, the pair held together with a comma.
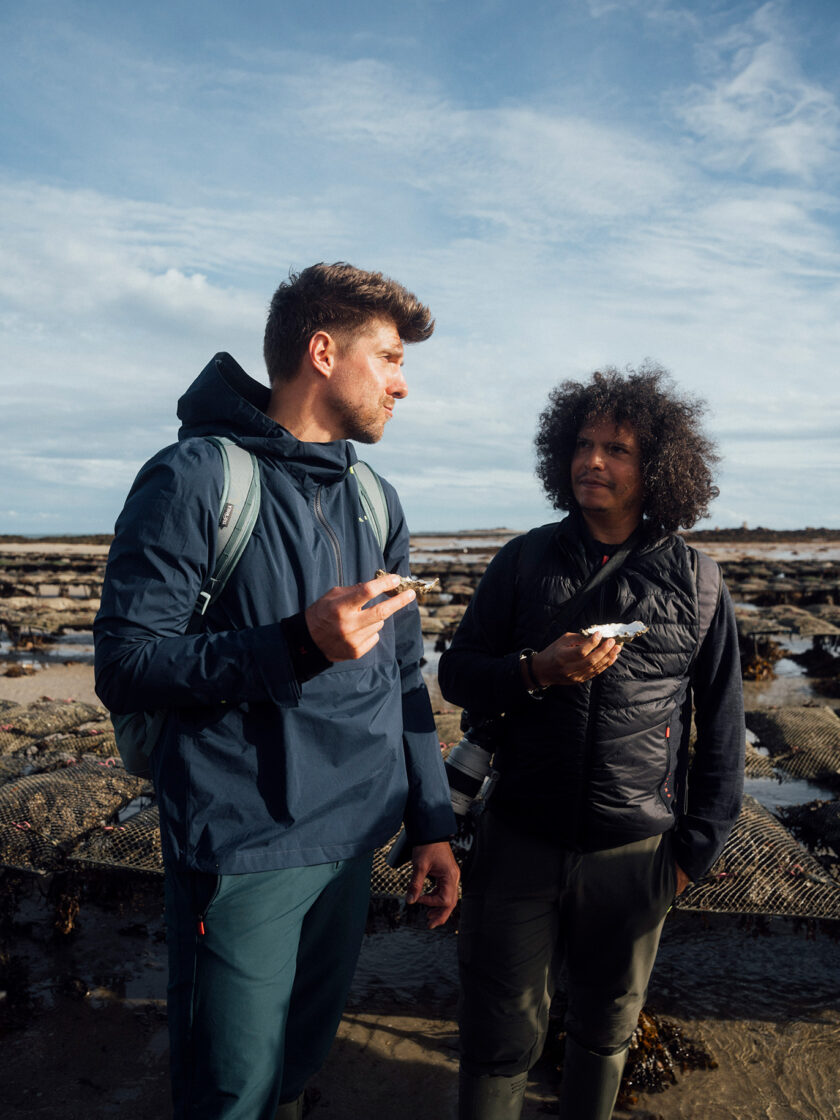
x: 568, y: 185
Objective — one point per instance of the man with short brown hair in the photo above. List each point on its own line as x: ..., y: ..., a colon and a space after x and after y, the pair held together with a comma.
x: 299, y: 732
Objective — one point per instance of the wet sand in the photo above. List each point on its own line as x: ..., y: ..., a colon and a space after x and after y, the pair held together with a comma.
x: 764, y: 997
x: 93, y: 1040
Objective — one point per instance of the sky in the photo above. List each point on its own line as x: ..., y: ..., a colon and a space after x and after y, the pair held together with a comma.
x: 569, y: 185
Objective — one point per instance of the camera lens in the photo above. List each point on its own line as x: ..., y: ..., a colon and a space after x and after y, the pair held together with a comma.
x: 466, y: 768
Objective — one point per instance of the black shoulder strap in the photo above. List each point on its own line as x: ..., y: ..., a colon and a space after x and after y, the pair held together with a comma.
x: 534, y: 547
x: 708, y: 586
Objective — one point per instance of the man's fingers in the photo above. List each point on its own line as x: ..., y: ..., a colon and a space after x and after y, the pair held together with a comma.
x: 356, y: 597
x: 362, y: 593
x: 415, y: 886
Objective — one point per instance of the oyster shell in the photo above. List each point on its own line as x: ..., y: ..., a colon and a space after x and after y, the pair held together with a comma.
x: 620, y: 631
x: 420, y: 587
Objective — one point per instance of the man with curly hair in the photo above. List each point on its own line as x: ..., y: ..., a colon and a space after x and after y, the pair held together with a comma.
x: 598, y: 818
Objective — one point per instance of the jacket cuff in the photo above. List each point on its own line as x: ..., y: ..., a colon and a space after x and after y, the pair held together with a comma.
x: 272, y: 661
x: 307, y: 659
x: 435, y: 826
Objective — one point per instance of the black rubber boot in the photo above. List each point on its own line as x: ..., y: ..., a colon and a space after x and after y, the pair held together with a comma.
x: 590, y: 1082
x: 490, y: 1098
x: 290, y: 1110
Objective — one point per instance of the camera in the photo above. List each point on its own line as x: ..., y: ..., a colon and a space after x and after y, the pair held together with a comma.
x: 471, y: 781
x: 467, y: 767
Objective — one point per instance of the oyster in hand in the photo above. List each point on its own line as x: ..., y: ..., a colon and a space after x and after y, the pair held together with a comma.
x: 420, y: 587
x: 620, y: 632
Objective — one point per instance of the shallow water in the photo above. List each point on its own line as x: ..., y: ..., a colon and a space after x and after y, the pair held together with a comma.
x: 73, y: 645
x: 775, y: 793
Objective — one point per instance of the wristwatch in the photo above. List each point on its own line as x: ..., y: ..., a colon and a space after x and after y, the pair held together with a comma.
x: 537, y: 690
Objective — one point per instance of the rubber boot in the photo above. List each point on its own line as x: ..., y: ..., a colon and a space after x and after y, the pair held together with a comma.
x: 290, y: 1110
x: 490, y: 1098
x: 590, y: 1082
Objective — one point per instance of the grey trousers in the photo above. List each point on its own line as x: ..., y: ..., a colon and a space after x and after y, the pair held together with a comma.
x: 530, y: 906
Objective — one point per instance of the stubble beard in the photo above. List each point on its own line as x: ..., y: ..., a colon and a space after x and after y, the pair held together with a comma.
x: 362, y: 425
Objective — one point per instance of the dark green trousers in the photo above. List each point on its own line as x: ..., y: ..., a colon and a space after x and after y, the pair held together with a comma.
x: 529, y: 907
x: 259, y: 970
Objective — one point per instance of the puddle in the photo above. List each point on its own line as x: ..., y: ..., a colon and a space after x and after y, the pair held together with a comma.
x: 431, y: 657
x: 783, y: 690
x: 776, y: 794
x: 73, y: 645
x: 406, y: 965
x: 728, y: 968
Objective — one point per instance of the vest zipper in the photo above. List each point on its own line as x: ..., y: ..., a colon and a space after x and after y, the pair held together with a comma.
x: 665, y: 783
x: 589, y: 740
x: 589, y: 747
x: 328, y: 529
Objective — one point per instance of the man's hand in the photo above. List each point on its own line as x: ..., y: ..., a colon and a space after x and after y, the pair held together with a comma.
x: 683, y: 880
x: 340, y: 627
x: 435, y: 862
x: 574, y: 658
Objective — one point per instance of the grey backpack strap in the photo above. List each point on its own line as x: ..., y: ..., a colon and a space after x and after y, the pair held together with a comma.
x: 708, y: 583
x: 238, y: 511
x: 137, y: 733
x: 372, y: 497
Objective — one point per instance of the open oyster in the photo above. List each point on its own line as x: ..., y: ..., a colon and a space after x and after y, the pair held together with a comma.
x: 420, y: 587
x: 620, y: 631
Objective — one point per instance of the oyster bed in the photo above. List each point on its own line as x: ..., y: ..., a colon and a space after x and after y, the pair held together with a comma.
x: 788, y: 613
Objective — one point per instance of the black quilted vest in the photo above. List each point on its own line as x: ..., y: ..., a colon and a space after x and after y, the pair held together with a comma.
x: 596, y: 765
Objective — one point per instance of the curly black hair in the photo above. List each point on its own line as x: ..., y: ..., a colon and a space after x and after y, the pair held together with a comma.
x: 677, y: 458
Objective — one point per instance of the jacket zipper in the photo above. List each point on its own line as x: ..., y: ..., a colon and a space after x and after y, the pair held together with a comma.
x: 589, y: 741
x: 333, y: 539
x: 664, y: 784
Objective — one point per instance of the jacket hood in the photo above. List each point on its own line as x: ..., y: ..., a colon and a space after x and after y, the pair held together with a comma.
x: 225, y: 401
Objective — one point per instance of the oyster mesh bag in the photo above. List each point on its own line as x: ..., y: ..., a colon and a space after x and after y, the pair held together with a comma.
x: 43, y: 816
x: 804, y: 741
x: 133, y: 844
x: 385, y: 880
x: 763, y: 870
x: 32, y: 756
x: 45, y: 717
x: 75, y: 815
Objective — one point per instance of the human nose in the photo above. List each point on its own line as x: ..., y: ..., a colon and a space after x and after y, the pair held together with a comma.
x: 398, y: 387
x: 593, y: 458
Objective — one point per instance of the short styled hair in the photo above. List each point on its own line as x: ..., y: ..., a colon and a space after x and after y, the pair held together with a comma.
x: 340, y: 298
x: 677, y: 458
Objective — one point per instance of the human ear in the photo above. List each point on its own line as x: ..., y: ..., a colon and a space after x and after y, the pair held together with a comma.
x: 322, y: 352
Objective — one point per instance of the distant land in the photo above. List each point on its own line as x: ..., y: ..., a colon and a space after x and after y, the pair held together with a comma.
x: 741, y: 535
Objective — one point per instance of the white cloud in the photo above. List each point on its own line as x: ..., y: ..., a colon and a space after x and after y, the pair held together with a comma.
x: 761, y: 113
x: 548, y: 243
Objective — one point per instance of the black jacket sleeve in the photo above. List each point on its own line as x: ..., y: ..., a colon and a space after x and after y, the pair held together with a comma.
x: 716, y: 775
x: 479, y: 671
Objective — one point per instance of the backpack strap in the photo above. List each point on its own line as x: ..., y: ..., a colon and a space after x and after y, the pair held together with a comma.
x: 238, y: 511
x: 137, y: 733
x: 374, y: 505
x: 708, y: 584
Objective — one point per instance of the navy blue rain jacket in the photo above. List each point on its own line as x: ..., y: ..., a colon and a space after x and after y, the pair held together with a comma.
x: 254, y: 770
